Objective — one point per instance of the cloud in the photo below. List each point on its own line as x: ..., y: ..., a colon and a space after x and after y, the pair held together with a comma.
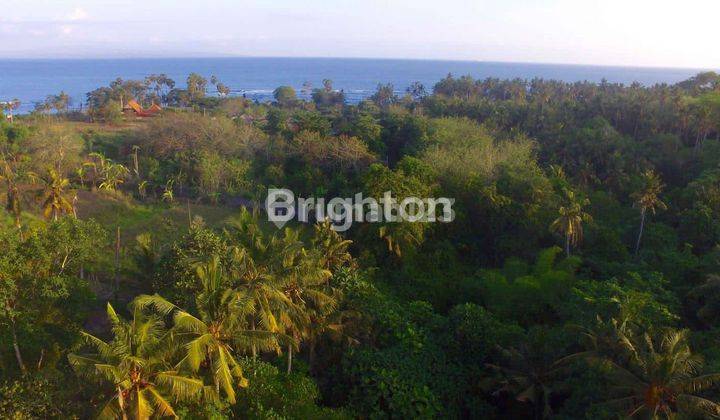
x: 66, y: 29
x: 77, y: 15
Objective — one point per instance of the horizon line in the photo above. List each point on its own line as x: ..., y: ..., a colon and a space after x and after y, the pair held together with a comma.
x: 216, y: 57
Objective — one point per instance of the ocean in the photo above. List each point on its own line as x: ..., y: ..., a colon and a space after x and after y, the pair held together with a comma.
x: 32, y: 80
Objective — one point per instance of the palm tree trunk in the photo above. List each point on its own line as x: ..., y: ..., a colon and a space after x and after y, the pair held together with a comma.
x: 311, y: 354
x: 16, y: 347
x: 254, y: 348
x: 121, y: 403
x: 40, y: 360
x: 290, y: 354
x: 117, y: 261
x: 567, y: 245
x: 137, y: 166
x: 642, y: 226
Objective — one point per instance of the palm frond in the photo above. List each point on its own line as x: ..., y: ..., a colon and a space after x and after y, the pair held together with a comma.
x: 182, y: 388
x: 143, y: 409
x: 700, y: 383
x: 197, y: 350
x: 224, y: 375
x: 111, y: 410
x: 112, y: 315
x: 692, y: 403
x: 155, y: 302
x: 162, y: 406
x: 186, y: 322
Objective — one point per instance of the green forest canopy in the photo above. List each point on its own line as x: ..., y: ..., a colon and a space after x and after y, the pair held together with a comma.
x: 580, y: 278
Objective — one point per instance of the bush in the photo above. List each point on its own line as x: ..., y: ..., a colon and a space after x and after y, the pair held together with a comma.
x: 272, y: 395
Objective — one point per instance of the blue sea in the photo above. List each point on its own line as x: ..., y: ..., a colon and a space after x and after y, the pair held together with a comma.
x: 32, y: 80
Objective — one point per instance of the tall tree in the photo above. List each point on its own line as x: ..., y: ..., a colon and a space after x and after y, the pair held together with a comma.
x: 529, y: 371
x: 196, y: 86
x: 306, y: 287
x: 661, y: 378
x: 55, y: 203
x: 571, y: 217
x: 647, y: 198
x: 10, y: 106
x: 255, y: 266
x: 218, y: 332
x: 136, y: 365
x: 12, y: 202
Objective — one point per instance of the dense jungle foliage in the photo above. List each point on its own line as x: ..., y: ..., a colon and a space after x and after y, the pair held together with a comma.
x: 140, y: 278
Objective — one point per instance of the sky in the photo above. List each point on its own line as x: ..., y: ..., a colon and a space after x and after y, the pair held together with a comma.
x: 659, y: 33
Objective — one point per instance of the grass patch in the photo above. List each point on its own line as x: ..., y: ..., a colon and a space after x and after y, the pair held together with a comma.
x: 165, y: 221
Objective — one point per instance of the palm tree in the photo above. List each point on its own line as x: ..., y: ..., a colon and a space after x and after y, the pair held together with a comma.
x: 97, y: 162
x: 12, y: 204
x: 306, y: 287
x: 570, y: 220
x: 168, y: 194
x: 647, y: 198
x: 113, y: 174
x: 325, y: 318
x: 136, y: 164
x: 146, y: 256
x: 528, y: 372
x: 80, y: 173
x: 55, y: 203
x: 259, y: 284
x: 256, y: 265
x: 333, y: 248
x: 287, y: 284
x: 10, y: 106
x: 219, y: 330
x: 271, y: 283
x: 142, y: 189
x: 401, y: 236
x: 662, y: 377
x: 135, y: 363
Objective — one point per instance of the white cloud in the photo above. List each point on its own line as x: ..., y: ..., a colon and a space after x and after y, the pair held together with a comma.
x: 77, y: 15
x: 67, y: 29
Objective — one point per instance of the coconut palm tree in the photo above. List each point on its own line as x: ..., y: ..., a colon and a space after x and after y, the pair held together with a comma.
x: 306, y: 287
x: 136, y: 163
x: 333, y: 248
x: 55, y: 203
x: 570, y: 220
x: 529, y: 371
x: 259, y: 284
x: 136, y: 365
x: 287, y: 283
x: 256, y: 266
x: 220, y: 329
x: 327, y: 320
x: 12, y: 203
x: 270, y: 266
x: 662, y: 378
x: 647, y: 198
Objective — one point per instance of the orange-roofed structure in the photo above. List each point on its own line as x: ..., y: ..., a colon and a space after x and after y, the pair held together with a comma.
x: 138, y: 110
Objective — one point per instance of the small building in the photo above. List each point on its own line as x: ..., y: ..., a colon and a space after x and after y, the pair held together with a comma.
x: 134, y: 109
